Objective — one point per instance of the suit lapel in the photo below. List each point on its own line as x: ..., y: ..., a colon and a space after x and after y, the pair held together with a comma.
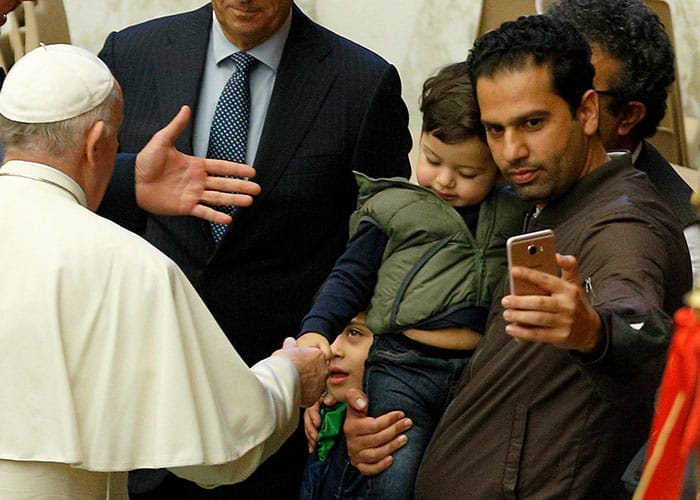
x: 180, y: 68
x: 302, y: 83
x: 179, y: 71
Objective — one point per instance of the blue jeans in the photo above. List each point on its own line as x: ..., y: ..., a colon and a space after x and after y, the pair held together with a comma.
x: 402, y: 374
x: 333, y: 479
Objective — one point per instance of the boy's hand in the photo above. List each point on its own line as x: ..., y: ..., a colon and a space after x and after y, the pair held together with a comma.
x: 313, y: 339
x: 311, y: 368
x: 312, y: 421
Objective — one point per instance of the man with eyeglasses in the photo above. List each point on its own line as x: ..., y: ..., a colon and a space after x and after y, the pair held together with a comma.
x: 633, y: 60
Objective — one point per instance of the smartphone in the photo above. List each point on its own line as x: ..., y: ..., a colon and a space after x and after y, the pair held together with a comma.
x: 536, y: 251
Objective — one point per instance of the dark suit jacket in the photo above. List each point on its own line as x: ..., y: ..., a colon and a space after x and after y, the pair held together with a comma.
x: 671, y: 186
x: 335, y: 107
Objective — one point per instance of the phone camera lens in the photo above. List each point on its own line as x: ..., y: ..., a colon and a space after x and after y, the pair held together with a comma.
x: 532, y: 249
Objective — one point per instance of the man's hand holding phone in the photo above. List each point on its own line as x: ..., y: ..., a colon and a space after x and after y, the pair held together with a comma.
x: 535, y: 251
x: 556, y: 310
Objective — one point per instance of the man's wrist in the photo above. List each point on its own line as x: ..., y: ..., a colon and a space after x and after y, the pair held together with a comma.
x: 599, y: 347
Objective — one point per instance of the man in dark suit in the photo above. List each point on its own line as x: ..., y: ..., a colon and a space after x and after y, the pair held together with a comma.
x: 633, y: 59
x: 321, y: 106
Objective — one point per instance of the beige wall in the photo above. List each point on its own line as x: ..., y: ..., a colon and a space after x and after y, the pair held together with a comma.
x: 417, y: 35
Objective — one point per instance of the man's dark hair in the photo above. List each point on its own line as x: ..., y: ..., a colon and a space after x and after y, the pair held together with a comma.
x: 539, y: 40
x: 448, y: 107
x: 632, y: 33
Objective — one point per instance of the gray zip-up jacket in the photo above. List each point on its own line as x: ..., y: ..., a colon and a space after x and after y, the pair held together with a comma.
x: 432, y: 263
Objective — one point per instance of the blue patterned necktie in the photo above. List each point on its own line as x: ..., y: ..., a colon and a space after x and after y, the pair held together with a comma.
x: 229, y: 128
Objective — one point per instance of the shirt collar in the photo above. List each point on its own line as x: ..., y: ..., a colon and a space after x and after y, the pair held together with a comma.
x: 635, y: 153
x: 622, y: 155
x: 49, y: 174
x: 269, y: 52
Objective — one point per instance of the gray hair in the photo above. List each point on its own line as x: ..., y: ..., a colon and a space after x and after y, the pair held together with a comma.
x: 61, y: 138
x: 629, y: 31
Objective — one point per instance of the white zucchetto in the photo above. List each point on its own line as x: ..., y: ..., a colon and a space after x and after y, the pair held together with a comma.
x: 53, y: 83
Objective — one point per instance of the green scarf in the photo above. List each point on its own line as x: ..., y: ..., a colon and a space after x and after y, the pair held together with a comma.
x: 332, y: 419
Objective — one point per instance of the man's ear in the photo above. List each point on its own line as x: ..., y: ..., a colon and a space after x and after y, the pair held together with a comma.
x: 631, y: 114
x: 587, y: 112
x: 92, y: 142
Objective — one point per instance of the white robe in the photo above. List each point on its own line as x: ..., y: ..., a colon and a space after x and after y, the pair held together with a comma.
x: 109, y: 360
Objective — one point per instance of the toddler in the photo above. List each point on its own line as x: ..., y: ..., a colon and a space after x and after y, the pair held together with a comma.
x: 426, y: 258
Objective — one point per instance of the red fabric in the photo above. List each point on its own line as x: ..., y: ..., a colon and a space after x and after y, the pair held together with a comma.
x: 676, y: 426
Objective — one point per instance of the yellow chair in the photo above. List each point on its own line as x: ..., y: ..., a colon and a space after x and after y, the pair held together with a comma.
x: 45, y: 22
x: 7, y: 58
x: 670, y: 137
x: 34, y: 23
x: 495, y: 12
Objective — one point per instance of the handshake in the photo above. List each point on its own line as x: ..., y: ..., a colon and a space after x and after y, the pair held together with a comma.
x: 311, y: 366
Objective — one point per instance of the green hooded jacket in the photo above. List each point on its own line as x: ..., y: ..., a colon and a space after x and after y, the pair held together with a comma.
x: 432, y: 263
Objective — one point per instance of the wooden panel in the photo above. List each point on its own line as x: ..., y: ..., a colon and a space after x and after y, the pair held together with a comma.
x: 674, y: 109
x: 495, y: 12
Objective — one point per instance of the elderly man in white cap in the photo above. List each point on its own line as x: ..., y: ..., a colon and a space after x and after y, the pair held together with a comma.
x: 110, y: 361
x: 168, y: 182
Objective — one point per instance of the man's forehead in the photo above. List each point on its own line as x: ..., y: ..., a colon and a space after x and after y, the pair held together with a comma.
x: 529, y: 68
x: 520, y: 87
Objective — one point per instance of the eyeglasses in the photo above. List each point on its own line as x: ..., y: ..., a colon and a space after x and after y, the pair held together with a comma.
x: 606, y: 92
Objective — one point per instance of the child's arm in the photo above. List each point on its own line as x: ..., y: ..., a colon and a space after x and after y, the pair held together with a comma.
x: 350, y: 284
x: 314, y: 339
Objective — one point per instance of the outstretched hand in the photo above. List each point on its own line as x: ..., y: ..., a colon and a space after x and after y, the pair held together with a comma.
x: 169, y: 182
x: 312, y: 422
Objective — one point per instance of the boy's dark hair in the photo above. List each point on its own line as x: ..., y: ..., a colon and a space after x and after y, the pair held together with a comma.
x: 448, y: 107
x: 632, y: 33
x: 541, y: 40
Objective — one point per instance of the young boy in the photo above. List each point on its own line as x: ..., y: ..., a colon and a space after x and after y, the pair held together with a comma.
x: 426, y: 258
x: 328, y: 473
